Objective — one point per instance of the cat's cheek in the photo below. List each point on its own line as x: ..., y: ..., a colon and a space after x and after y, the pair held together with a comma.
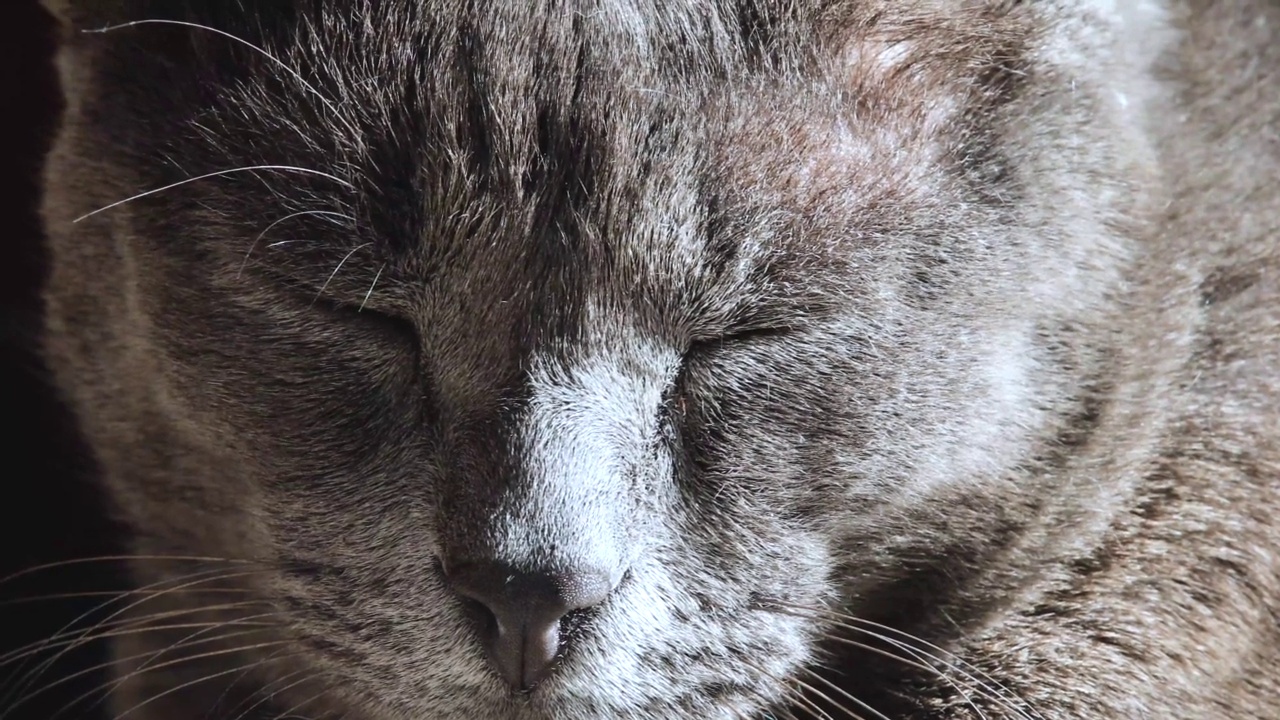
x: 295, y: 391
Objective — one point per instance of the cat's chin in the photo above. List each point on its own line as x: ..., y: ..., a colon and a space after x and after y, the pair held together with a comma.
x: 588, y: 686
x: 555, y: 708
x: 566, y: 695
x: 543, y: 703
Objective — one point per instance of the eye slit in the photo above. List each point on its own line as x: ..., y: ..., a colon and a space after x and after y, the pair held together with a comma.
x: 362, y: 313
x: 743, y: 335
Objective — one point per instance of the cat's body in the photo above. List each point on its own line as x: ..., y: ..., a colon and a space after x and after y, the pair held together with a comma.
x: 734, y: 321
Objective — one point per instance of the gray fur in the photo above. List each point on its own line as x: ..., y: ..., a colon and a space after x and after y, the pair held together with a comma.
x: 957, y: 316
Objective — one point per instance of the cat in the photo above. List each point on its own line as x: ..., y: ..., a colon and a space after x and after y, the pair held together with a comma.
x: 896, y: 359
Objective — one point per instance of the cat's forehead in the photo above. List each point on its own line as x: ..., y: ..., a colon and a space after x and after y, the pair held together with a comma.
x: 705, y: 153
x: 685, y: 219
x: 611, y: 121
x: 750, y: 191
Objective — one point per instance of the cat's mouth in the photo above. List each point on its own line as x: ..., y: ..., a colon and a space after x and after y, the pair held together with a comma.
x: 596, y: 673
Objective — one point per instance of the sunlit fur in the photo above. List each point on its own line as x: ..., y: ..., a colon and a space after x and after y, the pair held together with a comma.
x: 903, y: 358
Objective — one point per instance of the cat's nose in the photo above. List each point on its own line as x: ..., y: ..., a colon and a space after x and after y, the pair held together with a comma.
x: 523, y: 613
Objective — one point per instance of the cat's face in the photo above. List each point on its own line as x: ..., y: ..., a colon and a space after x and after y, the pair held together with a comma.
x: 728, y: 310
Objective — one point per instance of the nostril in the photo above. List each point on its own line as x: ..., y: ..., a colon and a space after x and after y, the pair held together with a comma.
x: 480, y: 615
x: 523, y: 618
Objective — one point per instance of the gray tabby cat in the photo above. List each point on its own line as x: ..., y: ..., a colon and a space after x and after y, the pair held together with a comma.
x: 647, y: 359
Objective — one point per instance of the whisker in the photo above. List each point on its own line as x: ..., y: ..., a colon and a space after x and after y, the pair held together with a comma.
x: 117, y: 558
x: 220, y: 173
x: 843, y: 693
x: 784, y: 714
x: 89, y: 594
x: 114, y: 683
x: 181, y: 686
x: 269, y: 691
x: 86, y: 635
x: 371, y: 287
x: 244, y: 673
x: 261, y: 51
x: 863, y: 646
x: 798, y: 697
x: 772, y: 710
x: 813, y: 705
x: 150, y: 592
x: 334, y: 274
x: 254, y: 244
x: 989, y: 686
x: 192, y: 638
x: 908, y: 662
x: 298, y: 706
x: 119, y: 628
x: 923, y: 657
x: 924, y: 666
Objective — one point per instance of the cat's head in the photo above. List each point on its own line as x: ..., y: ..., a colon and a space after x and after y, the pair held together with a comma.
x: 634, y: 334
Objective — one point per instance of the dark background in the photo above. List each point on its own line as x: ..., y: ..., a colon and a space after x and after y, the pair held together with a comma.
x: 48, y: 510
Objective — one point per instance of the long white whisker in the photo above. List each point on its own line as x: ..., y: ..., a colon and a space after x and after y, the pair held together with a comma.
x: 269, y: 691
x: 843, y: 693
x: 119, y: 628
x: 254, y: 244
x: 81, y: 595
x: 148, y: 657
x: 197, y: 26
x: 371, y: 287
x: 193, y: 638
x: 925, y: 657
x: 210, y: 676
x: 250, y: 168
x: 920, y: 657
x: 298, y: 707
x: 87, y: 635
x: 798, y: 696
x: 342, y: 262
x: 119, y: 558
x: 930, y: 652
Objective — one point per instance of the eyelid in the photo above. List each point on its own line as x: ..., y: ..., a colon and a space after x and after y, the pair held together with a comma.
x: 741, y: 334
x: 357, y: 312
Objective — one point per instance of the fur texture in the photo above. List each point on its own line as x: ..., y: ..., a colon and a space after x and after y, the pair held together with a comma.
x: 955, y: 317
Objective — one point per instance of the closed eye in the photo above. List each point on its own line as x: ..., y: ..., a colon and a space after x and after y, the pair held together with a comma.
x: 360, y: 313
x: 747, y: 336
